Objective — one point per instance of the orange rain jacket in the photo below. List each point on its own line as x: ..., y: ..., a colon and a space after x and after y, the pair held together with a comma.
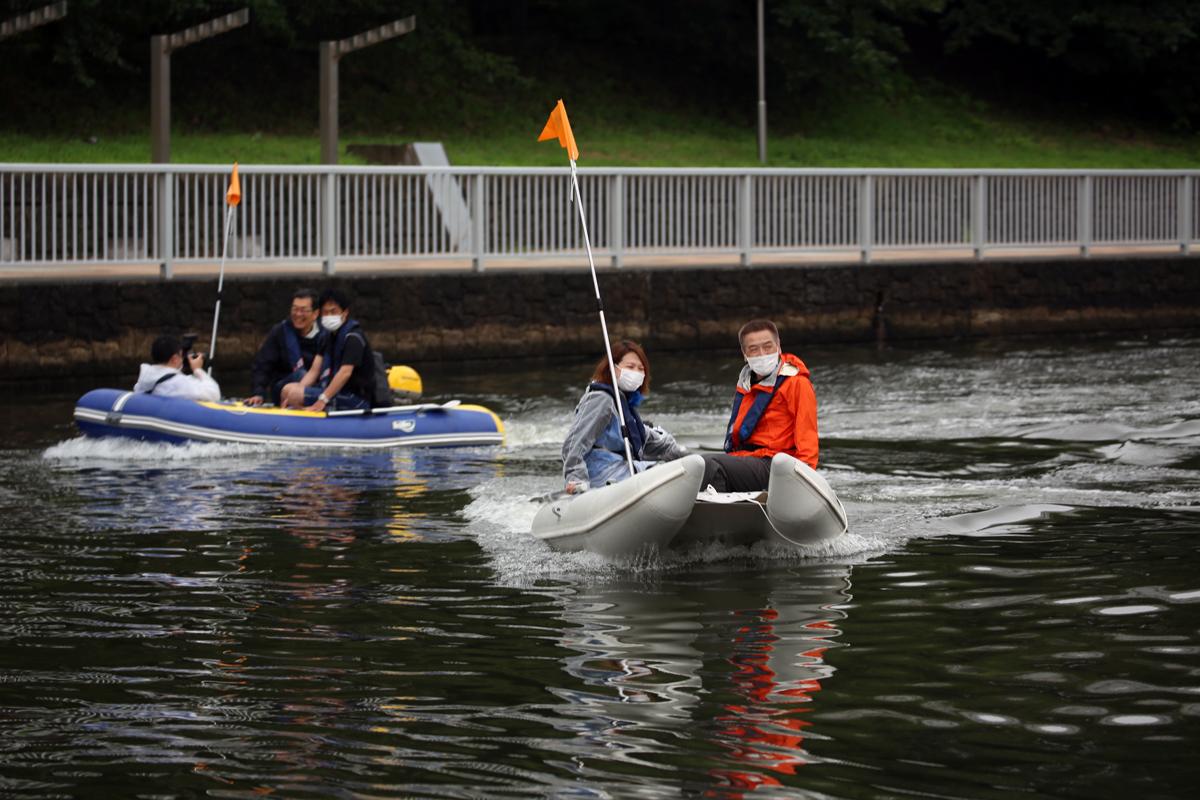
x: 789, y: 422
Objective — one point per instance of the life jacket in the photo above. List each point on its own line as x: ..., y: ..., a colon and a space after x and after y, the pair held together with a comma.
x: 611, y: 438
x: 291, y: 344
x: 362, y: 382
x: 737, y: 440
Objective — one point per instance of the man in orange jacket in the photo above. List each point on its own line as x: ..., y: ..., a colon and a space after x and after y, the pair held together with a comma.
x: 774, y: 411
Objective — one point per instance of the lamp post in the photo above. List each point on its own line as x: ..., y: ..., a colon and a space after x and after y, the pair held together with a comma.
x: 762, y: 88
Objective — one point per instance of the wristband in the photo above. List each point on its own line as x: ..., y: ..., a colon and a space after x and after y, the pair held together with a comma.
x: 323, y: 398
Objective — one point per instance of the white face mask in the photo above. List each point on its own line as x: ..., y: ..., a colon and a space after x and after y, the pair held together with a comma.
x: 630, y: 380
x: 331, y: 321
x: 763, y: 365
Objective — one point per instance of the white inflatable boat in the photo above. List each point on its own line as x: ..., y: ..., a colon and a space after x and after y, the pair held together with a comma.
x: 663, y: 507
x: 641, y: 513
x: 798, y: 509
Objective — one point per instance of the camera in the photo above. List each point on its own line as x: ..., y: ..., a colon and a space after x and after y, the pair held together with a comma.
x: 186, y: 342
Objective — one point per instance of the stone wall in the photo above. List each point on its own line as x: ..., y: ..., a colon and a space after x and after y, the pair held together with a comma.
x: 105, y: 329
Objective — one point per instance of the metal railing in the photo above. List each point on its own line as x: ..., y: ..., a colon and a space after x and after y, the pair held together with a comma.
x: 323, y: 216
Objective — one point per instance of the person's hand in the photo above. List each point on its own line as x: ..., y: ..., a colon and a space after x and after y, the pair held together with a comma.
x: 256, y: 400
x: 576, y: 487
x: 318, y: 404
x: 196, y: 361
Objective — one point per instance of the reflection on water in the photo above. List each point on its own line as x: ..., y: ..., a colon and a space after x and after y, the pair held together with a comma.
x: 242, y: 621
x: 686, y: 657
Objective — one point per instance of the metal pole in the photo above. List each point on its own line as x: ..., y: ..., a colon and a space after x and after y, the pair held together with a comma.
x: 762, y: 88
x: 616, y: 220
x: 478, y: 245
x: 979, y: 215
x: 1185, y: 215
x: 329, y: 221
x: 212, y: 342
x: 612, y: 368
x: 866, y: 218
x: 746, y: 219
x: 166, y: 223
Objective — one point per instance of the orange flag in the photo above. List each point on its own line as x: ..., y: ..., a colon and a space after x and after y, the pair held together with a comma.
x: 559, y: 127
x: 233, y: 195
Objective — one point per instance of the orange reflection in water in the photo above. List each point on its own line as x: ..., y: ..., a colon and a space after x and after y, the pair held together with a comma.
x: 766, y: 732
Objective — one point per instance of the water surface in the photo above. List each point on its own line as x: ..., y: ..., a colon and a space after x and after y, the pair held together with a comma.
x: 1016, y: 609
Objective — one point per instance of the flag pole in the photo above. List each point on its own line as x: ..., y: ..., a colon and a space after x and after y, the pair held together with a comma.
x: 233, y: 196
x: 612, y: 370
x: 558, y: 126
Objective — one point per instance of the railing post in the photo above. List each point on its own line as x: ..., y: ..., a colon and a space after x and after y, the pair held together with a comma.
x: 329, y: 214
x: 866, y: 222
x: 477, y: 227
x: 1185, y: 215
x: 166, y: 224
x: 746, y: 219
x: 1085, y: 216
x: 979, y: 228
x: 616, y: 219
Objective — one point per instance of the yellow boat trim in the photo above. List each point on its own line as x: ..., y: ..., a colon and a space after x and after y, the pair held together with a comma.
x: 242, y: 408
x: 494, y: 415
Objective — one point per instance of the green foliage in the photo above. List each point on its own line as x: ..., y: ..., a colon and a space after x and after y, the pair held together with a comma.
x: 1141, y: 56
x: 828, y: 43
x: 473, y: 65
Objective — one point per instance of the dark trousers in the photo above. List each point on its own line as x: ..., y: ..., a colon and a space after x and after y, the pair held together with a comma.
x: 729, y: 473
x: 277, y: 387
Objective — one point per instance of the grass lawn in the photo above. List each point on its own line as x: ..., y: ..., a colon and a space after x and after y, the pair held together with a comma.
x: 924, y: 129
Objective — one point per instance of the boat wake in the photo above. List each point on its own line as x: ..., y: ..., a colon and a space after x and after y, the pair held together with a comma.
x: 120, y: 450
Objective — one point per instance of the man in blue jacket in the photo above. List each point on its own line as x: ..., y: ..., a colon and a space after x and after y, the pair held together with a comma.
x: 343, y: 377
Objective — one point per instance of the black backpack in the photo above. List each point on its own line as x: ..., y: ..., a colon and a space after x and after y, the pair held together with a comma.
x: 381, y: 395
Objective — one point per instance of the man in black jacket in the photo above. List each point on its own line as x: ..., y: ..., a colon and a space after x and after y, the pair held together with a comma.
x: 288, y: 351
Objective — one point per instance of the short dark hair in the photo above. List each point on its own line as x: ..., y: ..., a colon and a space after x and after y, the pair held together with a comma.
x: 164, y: 347
x: 310, y: 295
x: 602, y: 374
x: 337, y: 296
x: 756, y: 325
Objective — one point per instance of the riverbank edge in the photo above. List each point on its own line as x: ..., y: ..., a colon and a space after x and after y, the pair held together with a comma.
x: 82, y: 329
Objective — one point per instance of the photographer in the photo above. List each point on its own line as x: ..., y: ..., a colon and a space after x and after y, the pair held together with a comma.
x: 167, y: 376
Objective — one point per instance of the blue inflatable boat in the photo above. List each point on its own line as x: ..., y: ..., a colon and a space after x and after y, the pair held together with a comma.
x: 113, y: 412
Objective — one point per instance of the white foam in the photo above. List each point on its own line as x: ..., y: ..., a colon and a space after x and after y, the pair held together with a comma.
x: 500, y: 517
x: 116, y: 449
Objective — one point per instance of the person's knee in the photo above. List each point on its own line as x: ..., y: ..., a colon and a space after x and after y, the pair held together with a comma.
x: 291, y: 395
x: 714, y: 474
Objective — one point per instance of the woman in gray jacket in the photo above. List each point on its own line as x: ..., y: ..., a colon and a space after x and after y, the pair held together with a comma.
x: 593, y: 453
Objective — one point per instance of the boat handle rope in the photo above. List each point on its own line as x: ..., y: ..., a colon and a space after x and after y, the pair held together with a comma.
x: 762, y: 506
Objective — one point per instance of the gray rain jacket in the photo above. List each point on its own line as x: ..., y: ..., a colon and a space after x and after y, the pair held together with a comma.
x: 586, y: 460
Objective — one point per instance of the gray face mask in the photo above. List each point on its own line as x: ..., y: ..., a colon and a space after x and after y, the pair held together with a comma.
x: 763, y: 365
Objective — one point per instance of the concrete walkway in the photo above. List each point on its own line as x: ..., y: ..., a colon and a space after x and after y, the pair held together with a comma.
x: 59, y: 273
